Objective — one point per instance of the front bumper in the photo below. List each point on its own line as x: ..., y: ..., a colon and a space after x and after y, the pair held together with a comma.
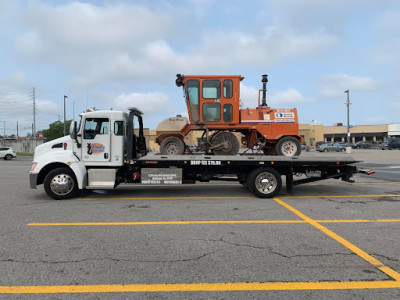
x: 33, y: 180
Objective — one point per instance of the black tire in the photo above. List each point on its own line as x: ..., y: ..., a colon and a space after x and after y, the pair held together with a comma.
x: 264, y: 182
x: 343, y: 149
x: 288, y: 146
x: 172, y: 146
x: 8, y: 157
x: 325, y: 150
x: 61, y: 184
x: 231, y: 144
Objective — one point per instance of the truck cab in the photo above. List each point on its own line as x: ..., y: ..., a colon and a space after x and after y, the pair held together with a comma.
x: 92, y: 156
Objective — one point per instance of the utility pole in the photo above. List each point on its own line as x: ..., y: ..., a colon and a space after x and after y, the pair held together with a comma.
x: 348, y: 116
x: 34, y: 114
x: 65, y: 132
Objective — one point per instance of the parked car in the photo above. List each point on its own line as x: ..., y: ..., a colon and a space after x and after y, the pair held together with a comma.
x: 317, y: 144
x: 362, y: 144
x: 7, y: 153
x: 331, y: 147
x: 391, y: 143
x: 342, y: 144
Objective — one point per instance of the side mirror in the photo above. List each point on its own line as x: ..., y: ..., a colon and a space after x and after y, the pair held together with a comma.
x: 72, y: 130
x: 73, y: 133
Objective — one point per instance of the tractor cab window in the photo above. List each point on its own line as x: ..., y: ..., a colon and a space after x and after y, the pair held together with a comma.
x: 95, y: 126
x: 192, y: 90
x: 228, y: 88
x: 211, y: 89
x: 228, y: 112
x: 211, y: 112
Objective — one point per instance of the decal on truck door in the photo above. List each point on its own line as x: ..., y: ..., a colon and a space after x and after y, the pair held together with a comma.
x: 95, y: 148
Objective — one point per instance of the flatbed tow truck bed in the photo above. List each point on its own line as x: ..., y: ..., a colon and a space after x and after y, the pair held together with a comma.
x: 260, y: 173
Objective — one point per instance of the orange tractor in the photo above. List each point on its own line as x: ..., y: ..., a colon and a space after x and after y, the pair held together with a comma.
x: 214, y: 107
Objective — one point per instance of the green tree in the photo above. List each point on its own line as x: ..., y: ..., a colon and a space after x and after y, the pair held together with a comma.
x: 56, y: 130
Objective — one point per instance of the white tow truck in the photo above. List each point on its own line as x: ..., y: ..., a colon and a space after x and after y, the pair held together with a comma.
x: 103, y: 151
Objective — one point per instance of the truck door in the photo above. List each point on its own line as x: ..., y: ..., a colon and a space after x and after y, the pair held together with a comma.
x: 96, y: 140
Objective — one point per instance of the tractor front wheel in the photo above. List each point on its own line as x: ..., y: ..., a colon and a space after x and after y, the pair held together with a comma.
x: 288, y: 146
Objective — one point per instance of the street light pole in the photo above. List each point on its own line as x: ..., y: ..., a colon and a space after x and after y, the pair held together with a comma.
x: 348, y: 116
x: 64, y: 116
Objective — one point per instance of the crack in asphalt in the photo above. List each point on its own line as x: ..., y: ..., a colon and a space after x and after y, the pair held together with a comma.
x: 274, y: 252
x: 374, y: 200
x: 386, y: 257
x: 105, y: 258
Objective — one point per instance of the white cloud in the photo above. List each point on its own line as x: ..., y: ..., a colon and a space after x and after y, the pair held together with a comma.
x: 290, y: 96
x: 123, y: 41
x: 334, y: 85
x: 148, y: 103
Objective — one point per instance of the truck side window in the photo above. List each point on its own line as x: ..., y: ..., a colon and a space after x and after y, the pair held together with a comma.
x: 228, y: 112
x: 94, y: 126
x: 193, y: 95
x: 119, y: 128
x: 228, y: 88
x: 211, y: 111
x: 211, y: 89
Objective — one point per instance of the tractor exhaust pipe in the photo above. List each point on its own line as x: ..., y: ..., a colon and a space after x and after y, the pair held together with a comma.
x: 264, y: 95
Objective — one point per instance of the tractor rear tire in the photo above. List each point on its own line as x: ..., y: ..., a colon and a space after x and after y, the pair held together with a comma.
x: 231, y: 146
x: 288, y: 146
x: 172, y: 146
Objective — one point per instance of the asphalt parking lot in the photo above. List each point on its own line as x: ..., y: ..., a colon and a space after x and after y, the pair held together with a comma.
x: 329, y: 239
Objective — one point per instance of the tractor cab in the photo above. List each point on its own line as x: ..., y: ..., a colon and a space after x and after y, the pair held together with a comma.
x: 212, y: 100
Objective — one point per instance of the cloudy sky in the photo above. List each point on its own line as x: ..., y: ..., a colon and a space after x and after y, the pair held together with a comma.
x: 116, y: 54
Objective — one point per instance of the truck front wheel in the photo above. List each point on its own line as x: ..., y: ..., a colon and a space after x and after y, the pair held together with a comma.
x: 61, y: 184
x: 265, y: 182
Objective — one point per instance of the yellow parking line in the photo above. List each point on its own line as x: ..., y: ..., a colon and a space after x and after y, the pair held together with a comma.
x: 392, y: 273
x: 186, y: 184
x: 198, y: 287
x: 340, y: 196
x: 168, y: 198
x: 352, y: 183
x: 170, y: 223
x: 235, y: 197
x: 359, y: 221
x: 208, y: 222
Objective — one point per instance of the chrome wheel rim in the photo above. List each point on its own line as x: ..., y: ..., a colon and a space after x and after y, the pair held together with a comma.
x: 62, y: 184
x: 289, y: 148
x: 266, y: 183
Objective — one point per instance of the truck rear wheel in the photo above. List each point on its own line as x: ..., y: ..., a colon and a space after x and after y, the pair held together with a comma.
x: 228, y: 144
x: 172, y: 146
x: 61, y: 184
x: 265, y: 182
x: 288, y: 146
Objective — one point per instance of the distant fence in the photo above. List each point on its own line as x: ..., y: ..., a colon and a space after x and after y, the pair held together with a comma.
x: 21, y: 146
